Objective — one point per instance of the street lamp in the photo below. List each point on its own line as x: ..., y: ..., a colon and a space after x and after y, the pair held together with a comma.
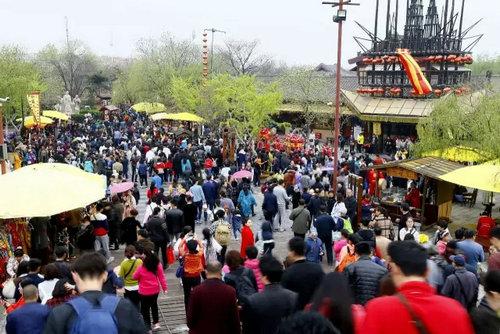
x: 339, y: 18
x: 213, y: 31
x: 3, y: 146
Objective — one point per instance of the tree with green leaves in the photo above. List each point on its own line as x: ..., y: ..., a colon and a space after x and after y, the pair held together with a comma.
x: 242, y: 103
x: 18, y: 77
x: 472, y: 122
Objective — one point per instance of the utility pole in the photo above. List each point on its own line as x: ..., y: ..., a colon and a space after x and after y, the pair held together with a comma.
x: 3, y: 147
x: 213, y: 31
x: 338, y: 18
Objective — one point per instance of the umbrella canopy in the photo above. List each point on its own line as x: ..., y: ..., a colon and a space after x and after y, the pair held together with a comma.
x: 485, y: 177
x: 183, y: 116
x: 149, y: 107
x: 118, y: 188
x: 160, y: 116
x: 460, y: 153
x: 241, y: 174
x: 188, y: 117
x: 55, y: 114
x: 29, y: 121
x: 42, y: 190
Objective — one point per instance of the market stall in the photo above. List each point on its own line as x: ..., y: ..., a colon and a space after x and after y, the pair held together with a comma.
x: 435, y: 194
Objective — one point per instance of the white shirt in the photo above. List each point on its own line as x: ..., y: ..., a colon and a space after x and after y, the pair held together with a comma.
x: 46, y: 288
x: 404, y: 231
x: 338, y: 209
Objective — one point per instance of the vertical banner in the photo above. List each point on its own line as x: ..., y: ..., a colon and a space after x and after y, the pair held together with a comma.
x: 34, y: 103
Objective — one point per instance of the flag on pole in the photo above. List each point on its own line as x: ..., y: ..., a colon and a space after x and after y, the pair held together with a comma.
x: 34, y: 103
x: 417, y: 79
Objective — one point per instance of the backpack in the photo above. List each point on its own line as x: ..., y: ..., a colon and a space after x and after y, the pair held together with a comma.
x: 95, y: 319
x: 411, y: 232
x: 243, y: 285
x: 192, y: 264
x: 186, y: 167
x: 143, y: 169
x: 222, y: 234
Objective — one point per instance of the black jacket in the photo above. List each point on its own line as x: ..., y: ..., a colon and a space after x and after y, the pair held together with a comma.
x: 157, y: 231
x: 351, y: 206
x: 270, y: 204
x: 62, y: 317
x: 175, y: 220
x: 485, y: 319
x: 265, y: 310
x: 364, y: 278
x: 303, y: 278
x: 314, y: 204
x: 325, y: 225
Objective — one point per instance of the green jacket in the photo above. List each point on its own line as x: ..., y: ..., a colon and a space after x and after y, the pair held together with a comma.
x: 127, y: 270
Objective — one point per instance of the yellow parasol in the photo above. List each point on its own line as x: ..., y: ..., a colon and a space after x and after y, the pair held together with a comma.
x: 183, y: 116
x: 149, y: 107
x: 29, y: 121
x: 484, y: 177
x: 55, y: 114
x: 42, y: 190
x: 460, y: 153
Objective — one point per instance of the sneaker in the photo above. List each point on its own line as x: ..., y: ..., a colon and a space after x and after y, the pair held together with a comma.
x: 156, y: 326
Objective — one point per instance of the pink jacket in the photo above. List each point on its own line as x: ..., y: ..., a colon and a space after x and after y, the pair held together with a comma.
x: 149, y: 283
x: 337, y: 247
x: 254, y: 265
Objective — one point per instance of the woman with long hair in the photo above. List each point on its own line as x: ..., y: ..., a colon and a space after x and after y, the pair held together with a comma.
x: 334, y: 301
x: 211, y: 247
x: 151, y: 281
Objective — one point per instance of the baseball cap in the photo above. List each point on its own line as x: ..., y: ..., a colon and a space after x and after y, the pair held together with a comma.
x: 459, y: 260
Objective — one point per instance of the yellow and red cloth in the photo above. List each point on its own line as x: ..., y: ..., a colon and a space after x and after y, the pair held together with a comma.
x: 417, y: 79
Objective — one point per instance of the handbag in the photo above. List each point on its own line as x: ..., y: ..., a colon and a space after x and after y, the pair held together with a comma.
x: 179, y: 273
x: 9, y: 289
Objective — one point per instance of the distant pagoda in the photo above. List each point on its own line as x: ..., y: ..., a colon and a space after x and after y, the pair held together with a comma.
x: 437, y: 46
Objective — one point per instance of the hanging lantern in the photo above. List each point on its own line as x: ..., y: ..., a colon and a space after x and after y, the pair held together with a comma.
x: 438, y: 59
x: 431, y: 59
x: 360, y: 91
x: 438, y: 92
x: 451, y: 58
x: 380, y: 91
x: 446, y: 90
x: 397, y: 90
x: 458, y: 91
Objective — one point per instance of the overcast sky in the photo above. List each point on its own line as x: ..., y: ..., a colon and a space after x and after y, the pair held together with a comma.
x: 294, y: 31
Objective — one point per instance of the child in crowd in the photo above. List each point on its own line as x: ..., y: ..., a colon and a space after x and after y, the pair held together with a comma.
x: 236, y: 223
x: 194, y: 264
x: 127, y: 269
x: 443, y: 238
x: 314, y: 248
x: 207, y: 216
x: 252, y: 262
x: 247, y: 238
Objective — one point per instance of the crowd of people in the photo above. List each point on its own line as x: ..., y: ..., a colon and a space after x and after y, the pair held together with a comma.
x: 379, y: 276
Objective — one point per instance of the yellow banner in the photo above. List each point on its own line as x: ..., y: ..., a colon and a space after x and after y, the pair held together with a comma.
x: 34, y: 103
x: 377, y: 129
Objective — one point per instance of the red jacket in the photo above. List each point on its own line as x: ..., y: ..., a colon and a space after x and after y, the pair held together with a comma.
x: 246, y: 240
x: 484, y: 226
x: 386, y: 315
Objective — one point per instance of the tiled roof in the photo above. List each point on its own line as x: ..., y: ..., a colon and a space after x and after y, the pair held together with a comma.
x: 430, y: 166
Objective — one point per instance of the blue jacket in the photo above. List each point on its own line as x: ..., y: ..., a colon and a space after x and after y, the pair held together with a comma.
x: 246, y: 202
x: 210, y: 191
x: 30, y: 318
x: 313, y: 248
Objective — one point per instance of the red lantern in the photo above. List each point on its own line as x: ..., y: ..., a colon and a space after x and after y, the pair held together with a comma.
x: 438, y: 59
x: 431, y: 58
x: 446, y: 90
x: 380, y: 90
x: 438, y: 92
x: 451, y: 58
